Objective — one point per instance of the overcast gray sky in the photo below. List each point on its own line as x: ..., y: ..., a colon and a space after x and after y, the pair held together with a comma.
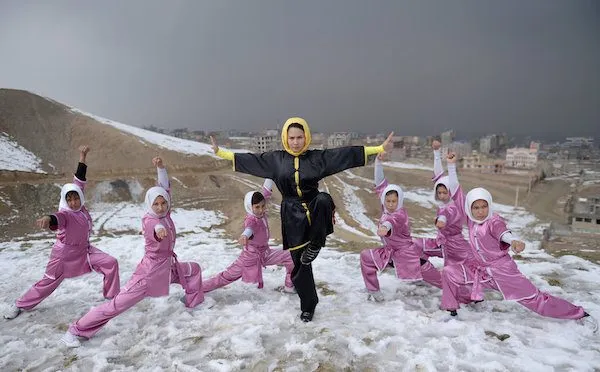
x: 415, y: 67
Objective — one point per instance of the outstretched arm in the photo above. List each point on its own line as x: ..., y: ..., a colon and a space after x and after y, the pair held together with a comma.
x: 452, y: 176
x: 438, y: 169
x: 267, y: 189
x: 79, y: 177
x: 260, y: 165
x: 386, y: 147
x: 378, y: 176
x: 163, y: 177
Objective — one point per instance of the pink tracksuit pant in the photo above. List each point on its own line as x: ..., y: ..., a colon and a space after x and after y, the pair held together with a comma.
x: 236, y: 269
x: 457, y: 283
x: 369, y: 271
x: 133, y: 293
x: 99, y: 261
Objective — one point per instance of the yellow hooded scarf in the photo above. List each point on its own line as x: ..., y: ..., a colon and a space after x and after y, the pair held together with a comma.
x: 284, y: 135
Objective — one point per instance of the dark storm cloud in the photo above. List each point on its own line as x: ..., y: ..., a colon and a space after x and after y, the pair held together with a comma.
x: 417, y: 67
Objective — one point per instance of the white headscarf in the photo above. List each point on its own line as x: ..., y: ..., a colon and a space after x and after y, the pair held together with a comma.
x: 68, y: 187
x: 445, y: 180
x: 151, y: 196
x: 478, y: 193
x: 392, y: 187
x: 248, y: 202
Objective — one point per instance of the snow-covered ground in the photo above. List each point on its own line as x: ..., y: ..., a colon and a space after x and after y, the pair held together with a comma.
x: 15, y: 157
x: 259, y: 329
x: 182, y: 145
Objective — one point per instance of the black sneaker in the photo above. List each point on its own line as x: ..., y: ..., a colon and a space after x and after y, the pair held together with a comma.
x: 306, y: 316
x: 310, y: 253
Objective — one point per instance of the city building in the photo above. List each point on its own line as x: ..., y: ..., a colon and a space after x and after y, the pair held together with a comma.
x: 481, y: 163
x: 585, y: 216
x: 338, y: 139
x: 520, y: 157
x: 267, y: 141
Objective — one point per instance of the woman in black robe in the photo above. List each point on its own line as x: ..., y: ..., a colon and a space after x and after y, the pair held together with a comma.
x: 306, y: 213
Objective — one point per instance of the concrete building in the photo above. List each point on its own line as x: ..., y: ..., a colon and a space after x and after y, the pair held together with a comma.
x: 480, y: 163
x: 461, y: 149
x: 339, y: 139
x: 520, y: 157
x: 489, y: 144
x: 585, y: 216
x: 267, y: 141
x: 447, y: 137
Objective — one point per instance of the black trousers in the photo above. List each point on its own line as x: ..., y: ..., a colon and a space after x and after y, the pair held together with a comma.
x: 304, y: 282
x: 321, y: 212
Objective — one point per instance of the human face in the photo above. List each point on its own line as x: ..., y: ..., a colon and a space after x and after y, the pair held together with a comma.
x: 480, y: 209
x: 73, y: 200
x: 296, y: 139
x: 160, y: 206
x: 259, y: 209
x: 442, y: 193
x: 391, y: 202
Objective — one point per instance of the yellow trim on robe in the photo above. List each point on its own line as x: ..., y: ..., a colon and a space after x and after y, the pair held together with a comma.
x: 307, y: 213
x: 372, y: 150
x: 298, y: 246
x: 297, y: 176
x: 227, y: 155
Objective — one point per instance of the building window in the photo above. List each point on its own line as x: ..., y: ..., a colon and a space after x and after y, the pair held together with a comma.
x: 578, y: 219
x: 598, y: 221
x: 588, y: 220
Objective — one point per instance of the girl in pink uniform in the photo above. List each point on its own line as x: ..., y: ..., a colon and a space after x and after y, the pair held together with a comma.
x: 256, y: 253
x: 72, y: 254
x: 157, y: 270
x: 398, y: 249
x: 492, y: 267
x: 449, y: 242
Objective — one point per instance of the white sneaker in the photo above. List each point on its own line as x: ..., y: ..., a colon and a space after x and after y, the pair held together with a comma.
x: 208, y: 303
x: 589, y: 321
x: 70, y: 340
x: 12, y: 312
x: 290, y: 290
x: 376, y: 296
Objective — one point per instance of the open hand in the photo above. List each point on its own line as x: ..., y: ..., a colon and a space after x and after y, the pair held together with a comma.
x: 83, y: 150
x: 243, y: 240
x: 43, y: 223
x: 388, y: 144
x: 213, y: 143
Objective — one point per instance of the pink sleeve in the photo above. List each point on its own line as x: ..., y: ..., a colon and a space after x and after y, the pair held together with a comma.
x: 397, y: 219
x: 250, y: 222
x: 381, y: 187
x: 497, y: 227
x: 459, y: 201
x: 454, y: 215
x: 79, y: 183
x: 61, y: 217
x: 446, y: 213
x: 148, y: 225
